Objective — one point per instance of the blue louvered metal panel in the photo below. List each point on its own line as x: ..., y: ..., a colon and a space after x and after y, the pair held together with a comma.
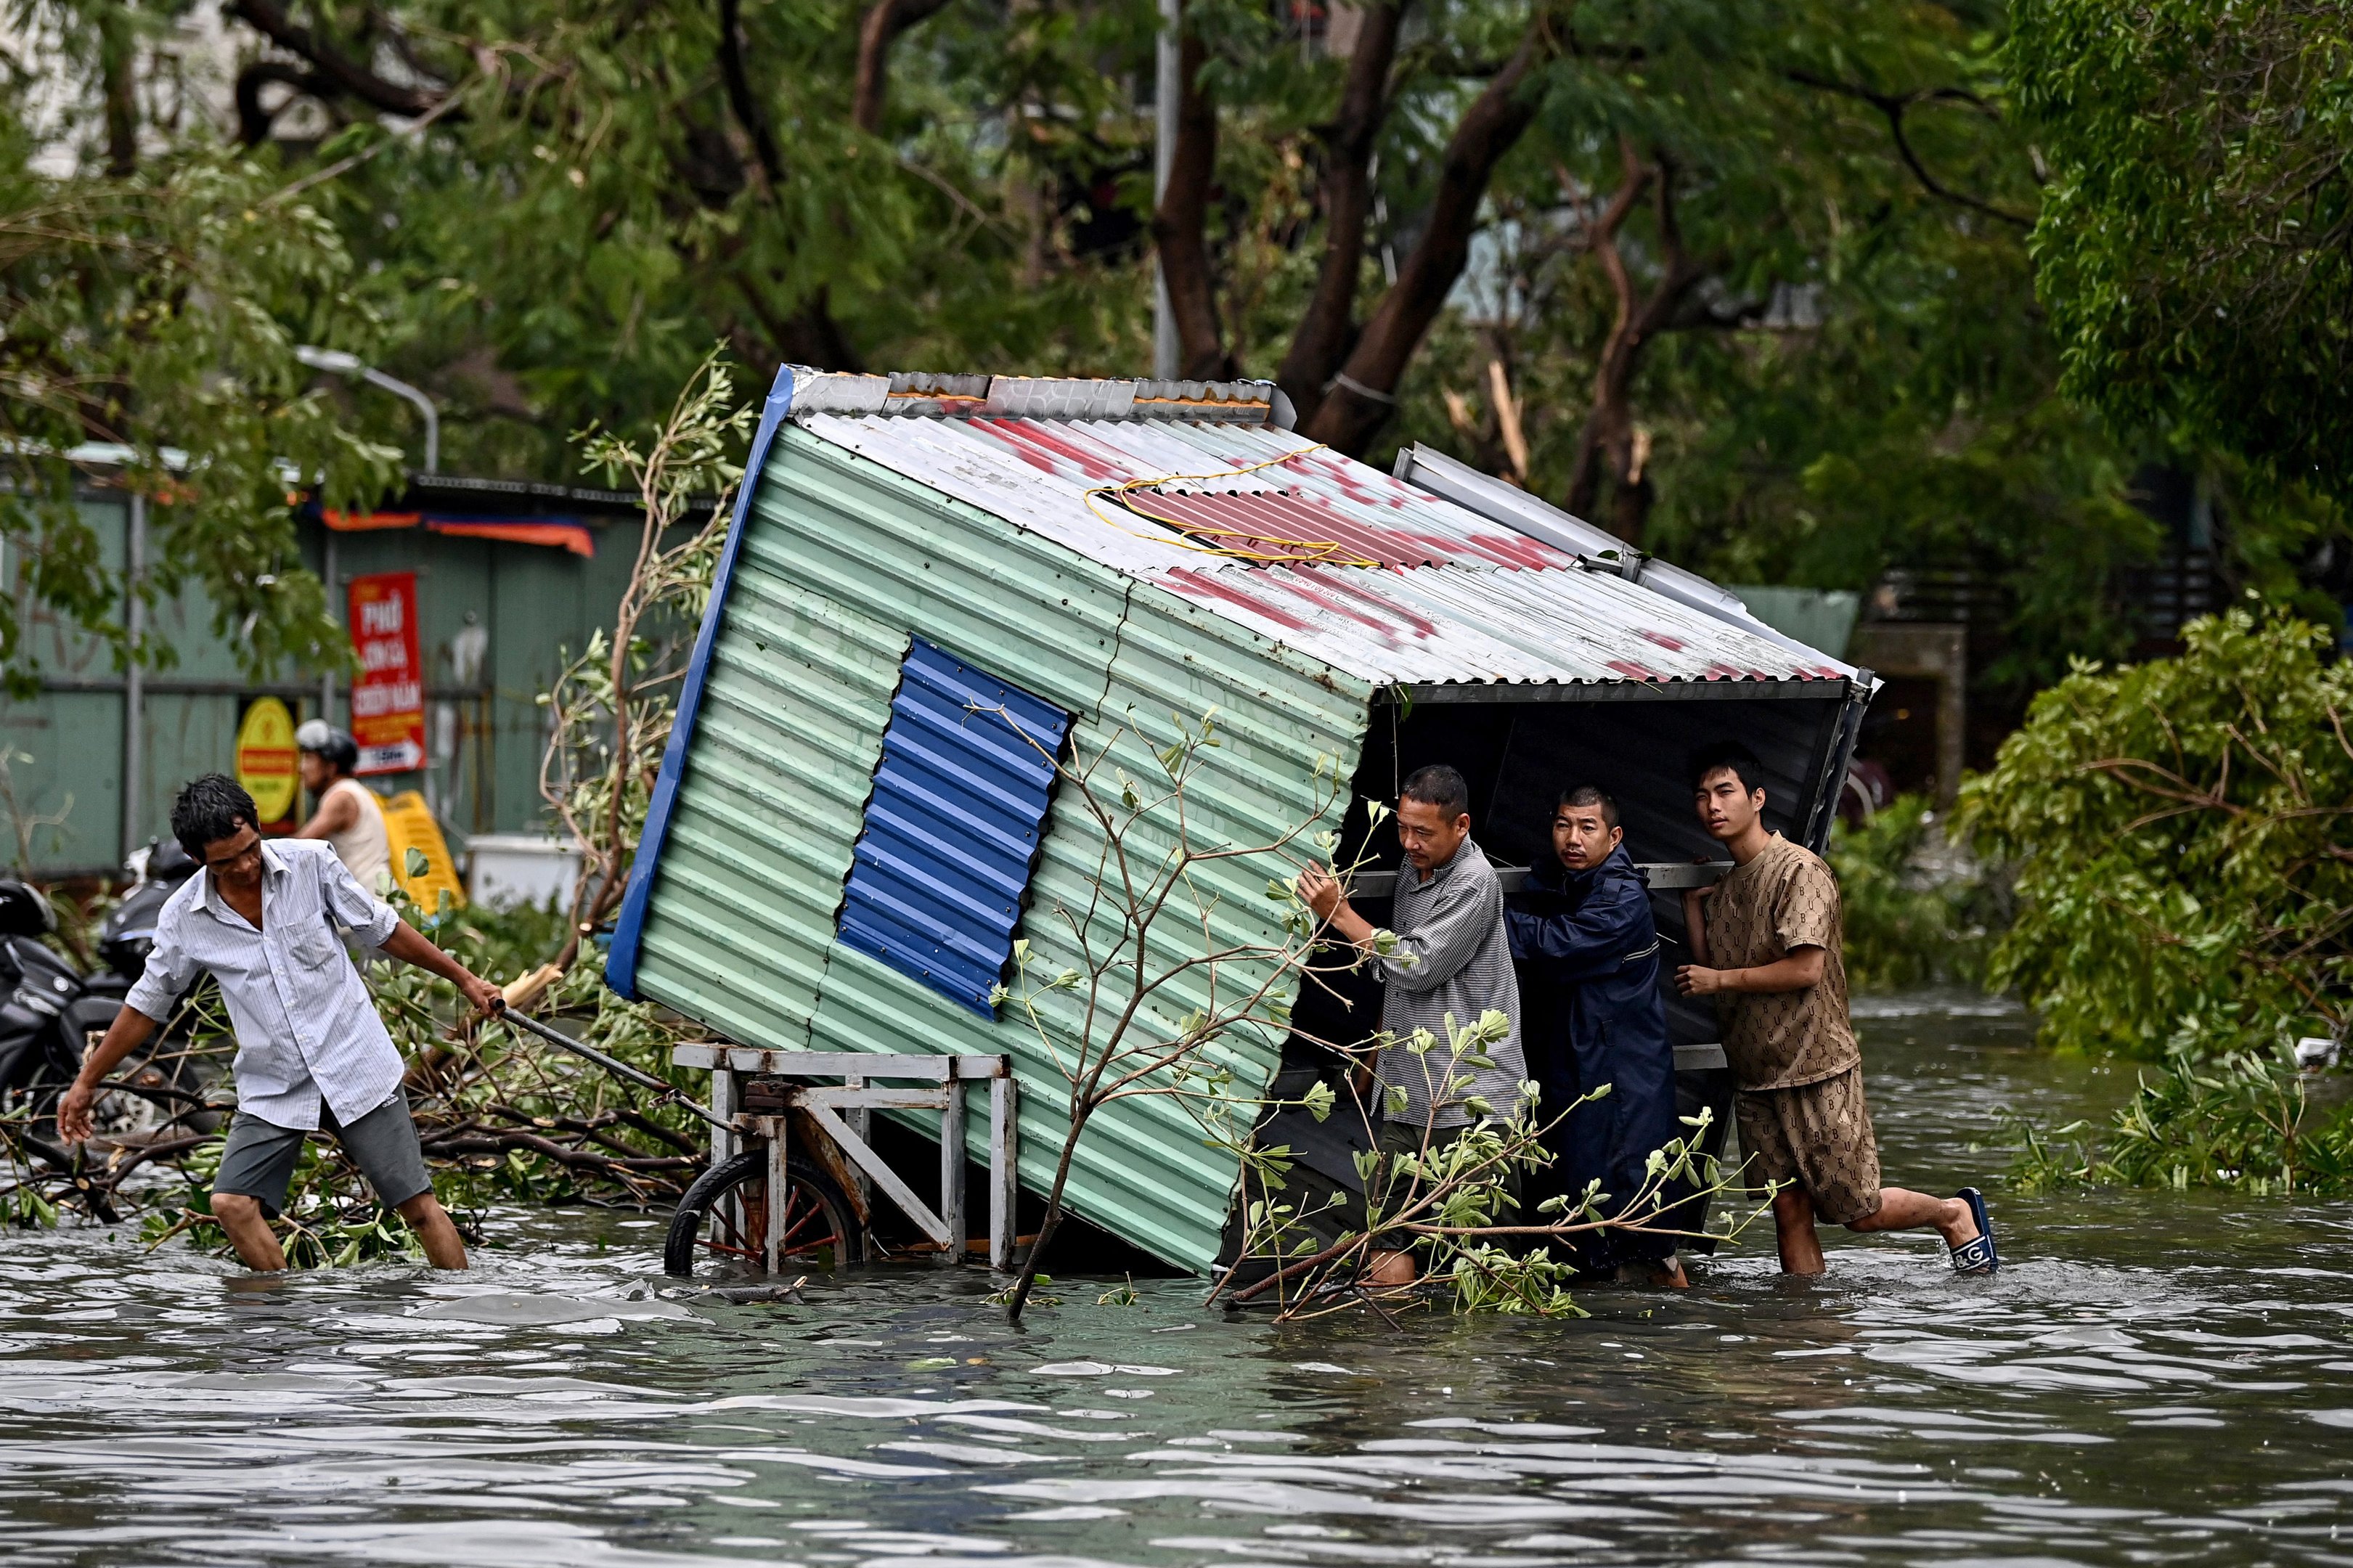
x: 952, y: 828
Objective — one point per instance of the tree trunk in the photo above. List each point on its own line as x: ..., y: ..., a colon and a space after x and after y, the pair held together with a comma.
x: 1180, y: 226
x: 769, y: 170
x: 877, y: 31
x: 1610, y: 448
x: 1081, y: 1112
x: 1364, y: 389
x: 1609, y: 424
x: 1327, y: 329
x: 813, y: 337
x: 118, y: 50
x: 810, y: 336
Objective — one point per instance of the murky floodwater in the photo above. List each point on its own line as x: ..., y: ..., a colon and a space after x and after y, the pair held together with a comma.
x: 2152, y: 1378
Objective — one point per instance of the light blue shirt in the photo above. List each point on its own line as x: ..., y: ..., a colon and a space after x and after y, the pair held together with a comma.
x: 305, y: 1027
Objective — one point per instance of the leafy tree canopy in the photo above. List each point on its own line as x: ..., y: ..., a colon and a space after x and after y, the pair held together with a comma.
x: 2195, y: 245
x: 154, y: 314
x: 1746, y: 282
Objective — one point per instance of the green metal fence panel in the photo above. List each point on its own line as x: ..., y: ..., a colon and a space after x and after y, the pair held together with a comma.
x: 61, y: 647
x: 188, y: 733
x: 63, y: 800
x: 541, y: 607
x: 486, y: 730
x: 69, y: 740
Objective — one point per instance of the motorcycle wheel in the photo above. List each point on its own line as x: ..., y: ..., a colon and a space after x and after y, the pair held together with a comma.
x: 713, y: 1235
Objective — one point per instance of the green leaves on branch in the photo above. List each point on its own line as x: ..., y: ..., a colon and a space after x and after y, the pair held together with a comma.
x: 2182, y: 832
x: 2191, y: 246
x: 1448, y: 1198
x: 2243, y: 1122
x: 611, y: 705
x: 156, y: 316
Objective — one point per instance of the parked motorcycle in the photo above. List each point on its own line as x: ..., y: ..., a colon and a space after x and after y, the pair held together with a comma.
x: 51, y: 1013
x: 128, y: 935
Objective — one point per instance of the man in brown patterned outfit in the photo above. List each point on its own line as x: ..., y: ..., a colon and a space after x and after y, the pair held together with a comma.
x: 1766, y: 940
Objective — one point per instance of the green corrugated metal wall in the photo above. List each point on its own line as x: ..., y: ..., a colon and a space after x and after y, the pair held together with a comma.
x: 535, y: 602
x: 843, y: 562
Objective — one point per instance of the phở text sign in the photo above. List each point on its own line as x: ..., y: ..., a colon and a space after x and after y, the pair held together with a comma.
x: 388, y: 693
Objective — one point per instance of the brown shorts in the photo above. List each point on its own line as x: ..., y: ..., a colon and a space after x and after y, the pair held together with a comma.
x: 1819, y: 1136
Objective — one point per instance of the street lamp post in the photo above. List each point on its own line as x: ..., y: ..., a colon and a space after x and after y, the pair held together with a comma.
x: 1168, y: 83
x: 336, y: 362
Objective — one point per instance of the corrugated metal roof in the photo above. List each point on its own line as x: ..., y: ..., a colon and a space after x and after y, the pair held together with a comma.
x: 936, y: 883
x: 1492, y: 498
x: 1358, y: 568
x: 1450, y: 625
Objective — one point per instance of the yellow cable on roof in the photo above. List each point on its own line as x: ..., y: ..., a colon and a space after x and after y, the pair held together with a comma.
x: 1322, y: 551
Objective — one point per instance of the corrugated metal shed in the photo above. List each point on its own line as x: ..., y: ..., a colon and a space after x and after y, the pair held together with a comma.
x: 1080, y: 539
x: 834, y: 565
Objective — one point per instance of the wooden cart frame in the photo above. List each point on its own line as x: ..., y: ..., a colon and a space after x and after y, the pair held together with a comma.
x: 843, y: 1113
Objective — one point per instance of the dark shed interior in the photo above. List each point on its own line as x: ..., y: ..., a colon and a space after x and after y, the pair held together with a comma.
x: 1517, y: 756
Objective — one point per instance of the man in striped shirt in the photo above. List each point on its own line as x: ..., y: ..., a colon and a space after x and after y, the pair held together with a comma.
x: 269, y: 923
x: 1450, y: 966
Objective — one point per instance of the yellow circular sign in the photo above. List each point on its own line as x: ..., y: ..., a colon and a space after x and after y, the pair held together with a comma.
x: 267, y: 764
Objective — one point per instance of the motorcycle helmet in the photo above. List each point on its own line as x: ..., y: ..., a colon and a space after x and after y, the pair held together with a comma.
x: 23, y: 910
x: 341, y: 752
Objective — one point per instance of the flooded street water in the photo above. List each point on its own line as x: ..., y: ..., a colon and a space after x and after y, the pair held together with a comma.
x: 2152, y: 1378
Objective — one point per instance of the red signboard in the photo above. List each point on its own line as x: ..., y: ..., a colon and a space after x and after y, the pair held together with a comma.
x: 388, y: 694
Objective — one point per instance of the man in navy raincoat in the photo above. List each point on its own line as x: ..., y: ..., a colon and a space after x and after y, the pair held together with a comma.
x: 1592, y: 1014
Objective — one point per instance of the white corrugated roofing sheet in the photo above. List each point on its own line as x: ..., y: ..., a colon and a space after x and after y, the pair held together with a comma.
x: 1364, y: 571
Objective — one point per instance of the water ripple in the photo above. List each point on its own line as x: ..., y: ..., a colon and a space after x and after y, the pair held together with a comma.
x: 2158, y: 1379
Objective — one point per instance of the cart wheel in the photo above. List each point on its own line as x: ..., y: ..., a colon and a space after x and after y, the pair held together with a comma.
x: 712, y: 1236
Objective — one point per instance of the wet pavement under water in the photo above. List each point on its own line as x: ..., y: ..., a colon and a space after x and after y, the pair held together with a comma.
x: 2154, y: 1378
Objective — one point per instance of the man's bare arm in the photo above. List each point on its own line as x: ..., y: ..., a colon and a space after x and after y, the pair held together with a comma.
x: 336, y: 813
x: 411, y: 946
x: 1695, y: 922
x: 125, y: 1035
x: 1799, y: 970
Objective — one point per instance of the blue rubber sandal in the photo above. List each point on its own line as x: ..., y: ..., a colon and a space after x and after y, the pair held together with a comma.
x: 1976, y: 1255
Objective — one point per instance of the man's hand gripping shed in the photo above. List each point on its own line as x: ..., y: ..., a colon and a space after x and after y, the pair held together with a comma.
x: 1321, y: 892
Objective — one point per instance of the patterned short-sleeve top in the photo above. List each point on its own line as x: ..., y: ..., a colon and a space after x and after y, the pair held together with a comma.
x: 1783, y: 899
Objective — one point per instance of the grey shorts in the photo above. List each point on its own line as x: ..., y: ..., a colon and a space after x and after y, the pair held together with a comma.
x: 260, y: 1160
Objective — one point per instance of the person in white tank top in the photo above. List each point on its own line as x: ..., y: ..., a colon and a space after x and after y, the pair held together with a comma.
x: 347, y: 815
